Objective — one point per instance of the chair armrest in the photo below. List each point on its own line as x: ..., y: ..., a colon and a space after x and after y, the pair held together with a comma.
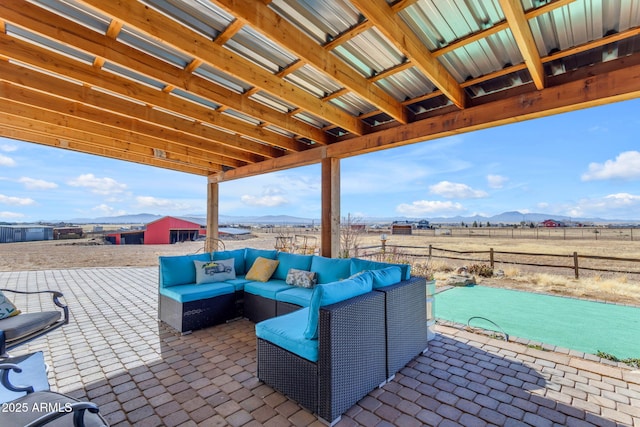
x: 55, y: 295
x: 78, y: 409
x: 4, y: 378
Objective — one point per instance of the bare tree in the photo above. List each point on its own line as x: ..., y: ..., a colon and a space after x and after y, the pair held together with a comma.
x: 351, y: 229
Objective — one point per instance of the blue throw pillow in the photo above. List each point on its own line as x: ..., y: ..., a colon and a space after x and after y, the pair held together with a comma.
x: 386, y: 276
x: 252, y: 254
x: 179, y: 270
x: 237, y: 255
x: 289, y: 261
x: 331, y: 293
x: 358, y: 265
x: 331, y: 269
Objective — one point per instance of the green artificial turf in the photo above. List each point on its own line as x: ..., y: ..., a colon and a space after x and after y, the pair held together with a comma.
x: 586, y: 326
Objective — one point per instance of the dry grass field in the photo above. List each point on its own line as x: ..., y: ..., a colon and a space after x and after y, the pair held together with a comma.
x: 613, y: 287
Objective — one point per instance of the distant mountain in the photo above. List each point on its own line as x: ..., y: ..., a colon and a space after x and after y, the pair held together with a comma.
x: 512, y: 217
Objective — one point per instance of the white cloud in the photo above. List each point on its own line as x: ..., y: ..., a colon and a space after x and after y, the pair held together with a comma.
x: 7, y: 161
x: 453, y: 190
x: 16, y: 201
x: 268, y: 200
x: 431, y: 207
x: 496, y: 181
x: 150, y: 202
x: 611, y: 206
x: 37, y: 184
x: 106, y: 210
x: 625, y: 166
x: 104, y: 186
x: 10, y: 215
x: 8, y: 148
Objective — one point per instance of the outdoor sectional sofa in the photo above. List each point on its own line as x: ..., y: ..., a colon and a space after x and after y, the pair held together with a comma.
x: 324, y: 344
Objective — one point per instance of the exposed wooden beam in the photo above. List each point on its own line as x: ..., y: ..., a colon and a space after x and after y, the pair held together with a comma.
x: 52, y: 26
x: 330, y: 231
x: 345, y: 36
x: 167, y: 31
x: 195, y: 134
x: 231, y: 30
x: 276, y: 28
x: 97, y: 147
x: 59, y: 64
x: 395, y: 29
x: 521, y: 31
x: 49, y: 110
x: 594, y: 90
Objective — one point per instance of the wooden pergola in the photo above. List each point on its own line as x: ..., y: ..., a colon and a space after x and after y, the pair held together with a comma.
x: 234, y: 88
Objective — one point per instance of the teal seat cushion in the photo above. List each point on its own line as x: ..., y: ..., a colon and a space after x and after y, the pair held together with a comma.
x: 358, y: 265
x: 331, y: 293
x: 288, y: 332
x: 267, y: 289
x: 238, y: 259
x: 189, y: 293
x: 238, y: 283
x: 330, y: 269
x: 289, y: 261
x: 251, y: 254
x: 386, y: 276
x: 297, y: 295
x: 179, y: 270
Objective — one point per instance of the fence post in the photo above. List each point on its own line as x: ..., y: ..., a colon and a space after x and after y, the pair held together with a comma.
x: 491, y: 257
x: 575, y: 264
x: 429, y: 251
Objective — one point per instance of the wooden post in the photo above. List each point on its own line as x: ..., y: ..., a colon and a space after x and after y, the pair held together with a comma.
x: 491, y: 257
x: 213, y: 203
x: 575, y: 264
x: 430, y: 248
x: 330, y: 244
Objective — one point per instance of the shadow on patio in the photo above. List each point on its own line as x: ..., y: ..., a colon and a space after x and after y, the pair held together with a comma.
x: 115, y: 354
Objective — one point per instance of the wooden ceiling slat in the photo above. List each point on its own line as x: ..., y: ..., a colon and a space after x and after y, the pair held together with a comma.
x: 46, y: 109
x: 91, y: 144
x: 396, y: 30
x: 161, y: 28
x: 59, y: 64
x: 273, y: 26
x: 196, y: 135
x: 521, y: 31
x: 49, y: 25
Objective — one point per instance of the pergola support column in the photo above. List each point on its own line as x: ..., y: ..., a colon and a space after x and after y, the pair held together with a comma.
x: 212, y: 214
x: 330, y: 236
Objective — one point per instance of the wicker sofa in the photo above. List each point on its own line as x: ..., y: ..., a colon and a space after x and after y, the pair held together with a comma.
x: 325, y: 346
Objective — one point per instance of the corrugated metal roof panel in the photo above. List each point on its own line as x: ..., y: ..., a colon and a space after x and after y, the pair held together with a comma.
x: 145, y: 44
x: 353, y: 104
x: 201, y: 16
x: 322, y: 20
x: 194, y: 98
x: 370, y: 53
x: 271, y: 101
x: 313, y: 81
x: 77, y: 13
x: 223, y: 79
x: 260, y: 50
x: 406, y: 84
x: 53, y: 45
x: 132, y: 75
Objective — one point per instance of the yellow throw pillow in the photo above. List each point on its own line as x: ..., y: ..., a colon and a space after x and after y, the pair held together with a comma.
x: 262, y: 269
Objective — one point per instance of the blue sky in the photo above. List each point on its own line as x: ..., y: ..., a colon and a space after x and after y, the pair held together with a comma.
x: 580, y: 164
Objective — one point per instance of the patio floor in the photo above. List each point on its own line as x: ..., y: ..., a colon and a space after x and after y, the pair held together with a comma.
x: 139, y: 372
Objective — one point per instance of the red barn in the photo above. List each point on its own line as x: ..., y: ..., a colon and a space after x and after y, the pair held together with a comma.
x: 165, y: 230
x: 552, y: 223
x: 170, y: 229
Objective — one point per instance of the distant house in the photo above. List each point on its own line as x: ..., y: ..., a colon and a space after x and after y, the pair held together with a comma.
x: 552, y: 223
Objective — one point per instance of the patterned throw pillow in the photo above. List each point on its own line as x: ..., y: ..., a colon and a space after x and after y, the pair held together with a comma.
x: 262, y: 269
x: 214, y: 271
x: 301, y: 278
x: 7, y: 309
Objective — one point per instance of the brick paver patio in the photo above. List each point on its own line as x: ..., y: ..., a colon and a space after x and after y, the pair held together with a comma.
x: 115, y: 354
